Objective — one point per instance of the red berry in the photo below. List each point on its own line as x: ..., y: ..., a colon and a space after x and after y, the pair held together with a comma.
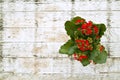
x: 75, y: 56
x: 96, y: 29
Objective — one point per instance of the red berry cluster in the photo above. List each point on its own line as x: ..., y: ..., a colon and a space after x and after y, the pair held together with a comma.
x: 79, y: 57
x: 83, y: 44
x: 96, y: 30
x: 88, y: 28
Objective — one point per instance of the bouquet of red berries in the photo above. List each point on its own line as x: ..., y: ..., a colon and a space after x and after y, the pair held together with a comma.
x: 84, y: 44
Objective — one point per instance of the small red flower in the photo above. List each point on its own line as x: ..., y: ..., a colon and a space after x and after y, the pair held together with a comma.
x: 77, y: 40
x: 84, y: 26
x: 79, y: 58
x: 82, y: 20
x: 97, y: 37
x: 75, y: 56
x: 87, y: 42
x: 82, y: 57
x: 101, y: 48
x: 83, y: 31
x: 78, y: 29
x: 79, y: 21
x: 88, y: 32
x: 89, y: 23
x: 83, y: 44
x: 87, y: 28
x: 82, y: 48
x: 96, y: 29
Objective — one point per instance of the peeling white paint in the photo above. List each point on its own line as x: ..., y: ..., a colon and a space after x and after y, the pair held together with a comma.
x: 30, y: 51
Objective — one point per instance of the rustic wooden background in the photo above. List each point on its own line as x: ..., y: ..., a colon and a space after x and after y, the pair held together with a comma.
x: 31, y: 32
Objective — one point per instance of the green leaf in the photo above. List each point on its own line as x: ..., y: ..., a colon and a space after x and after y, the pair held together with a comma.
x: 102, y: 29
x: 64, y: 49
x: 101, y: 58
x: 76, y: 18
x: 78, y: 34
x: 72, y: 50
x: 94, y: 54
x: 70, y: 28
x: 78, y: 51
x: 85, y: 62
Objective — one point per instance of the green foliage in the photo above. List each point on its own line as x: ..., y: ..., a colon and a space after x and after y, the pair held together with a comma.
x: 67, y: 48
x: 101, y: 58
x: 85, y: 62
x: 72, y: 49
x: 102, y: 29
x: 78, y: 34
x: 76, y: 18
x: 69, y: 27
x: 94, y: 54
x: 84, y: 44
